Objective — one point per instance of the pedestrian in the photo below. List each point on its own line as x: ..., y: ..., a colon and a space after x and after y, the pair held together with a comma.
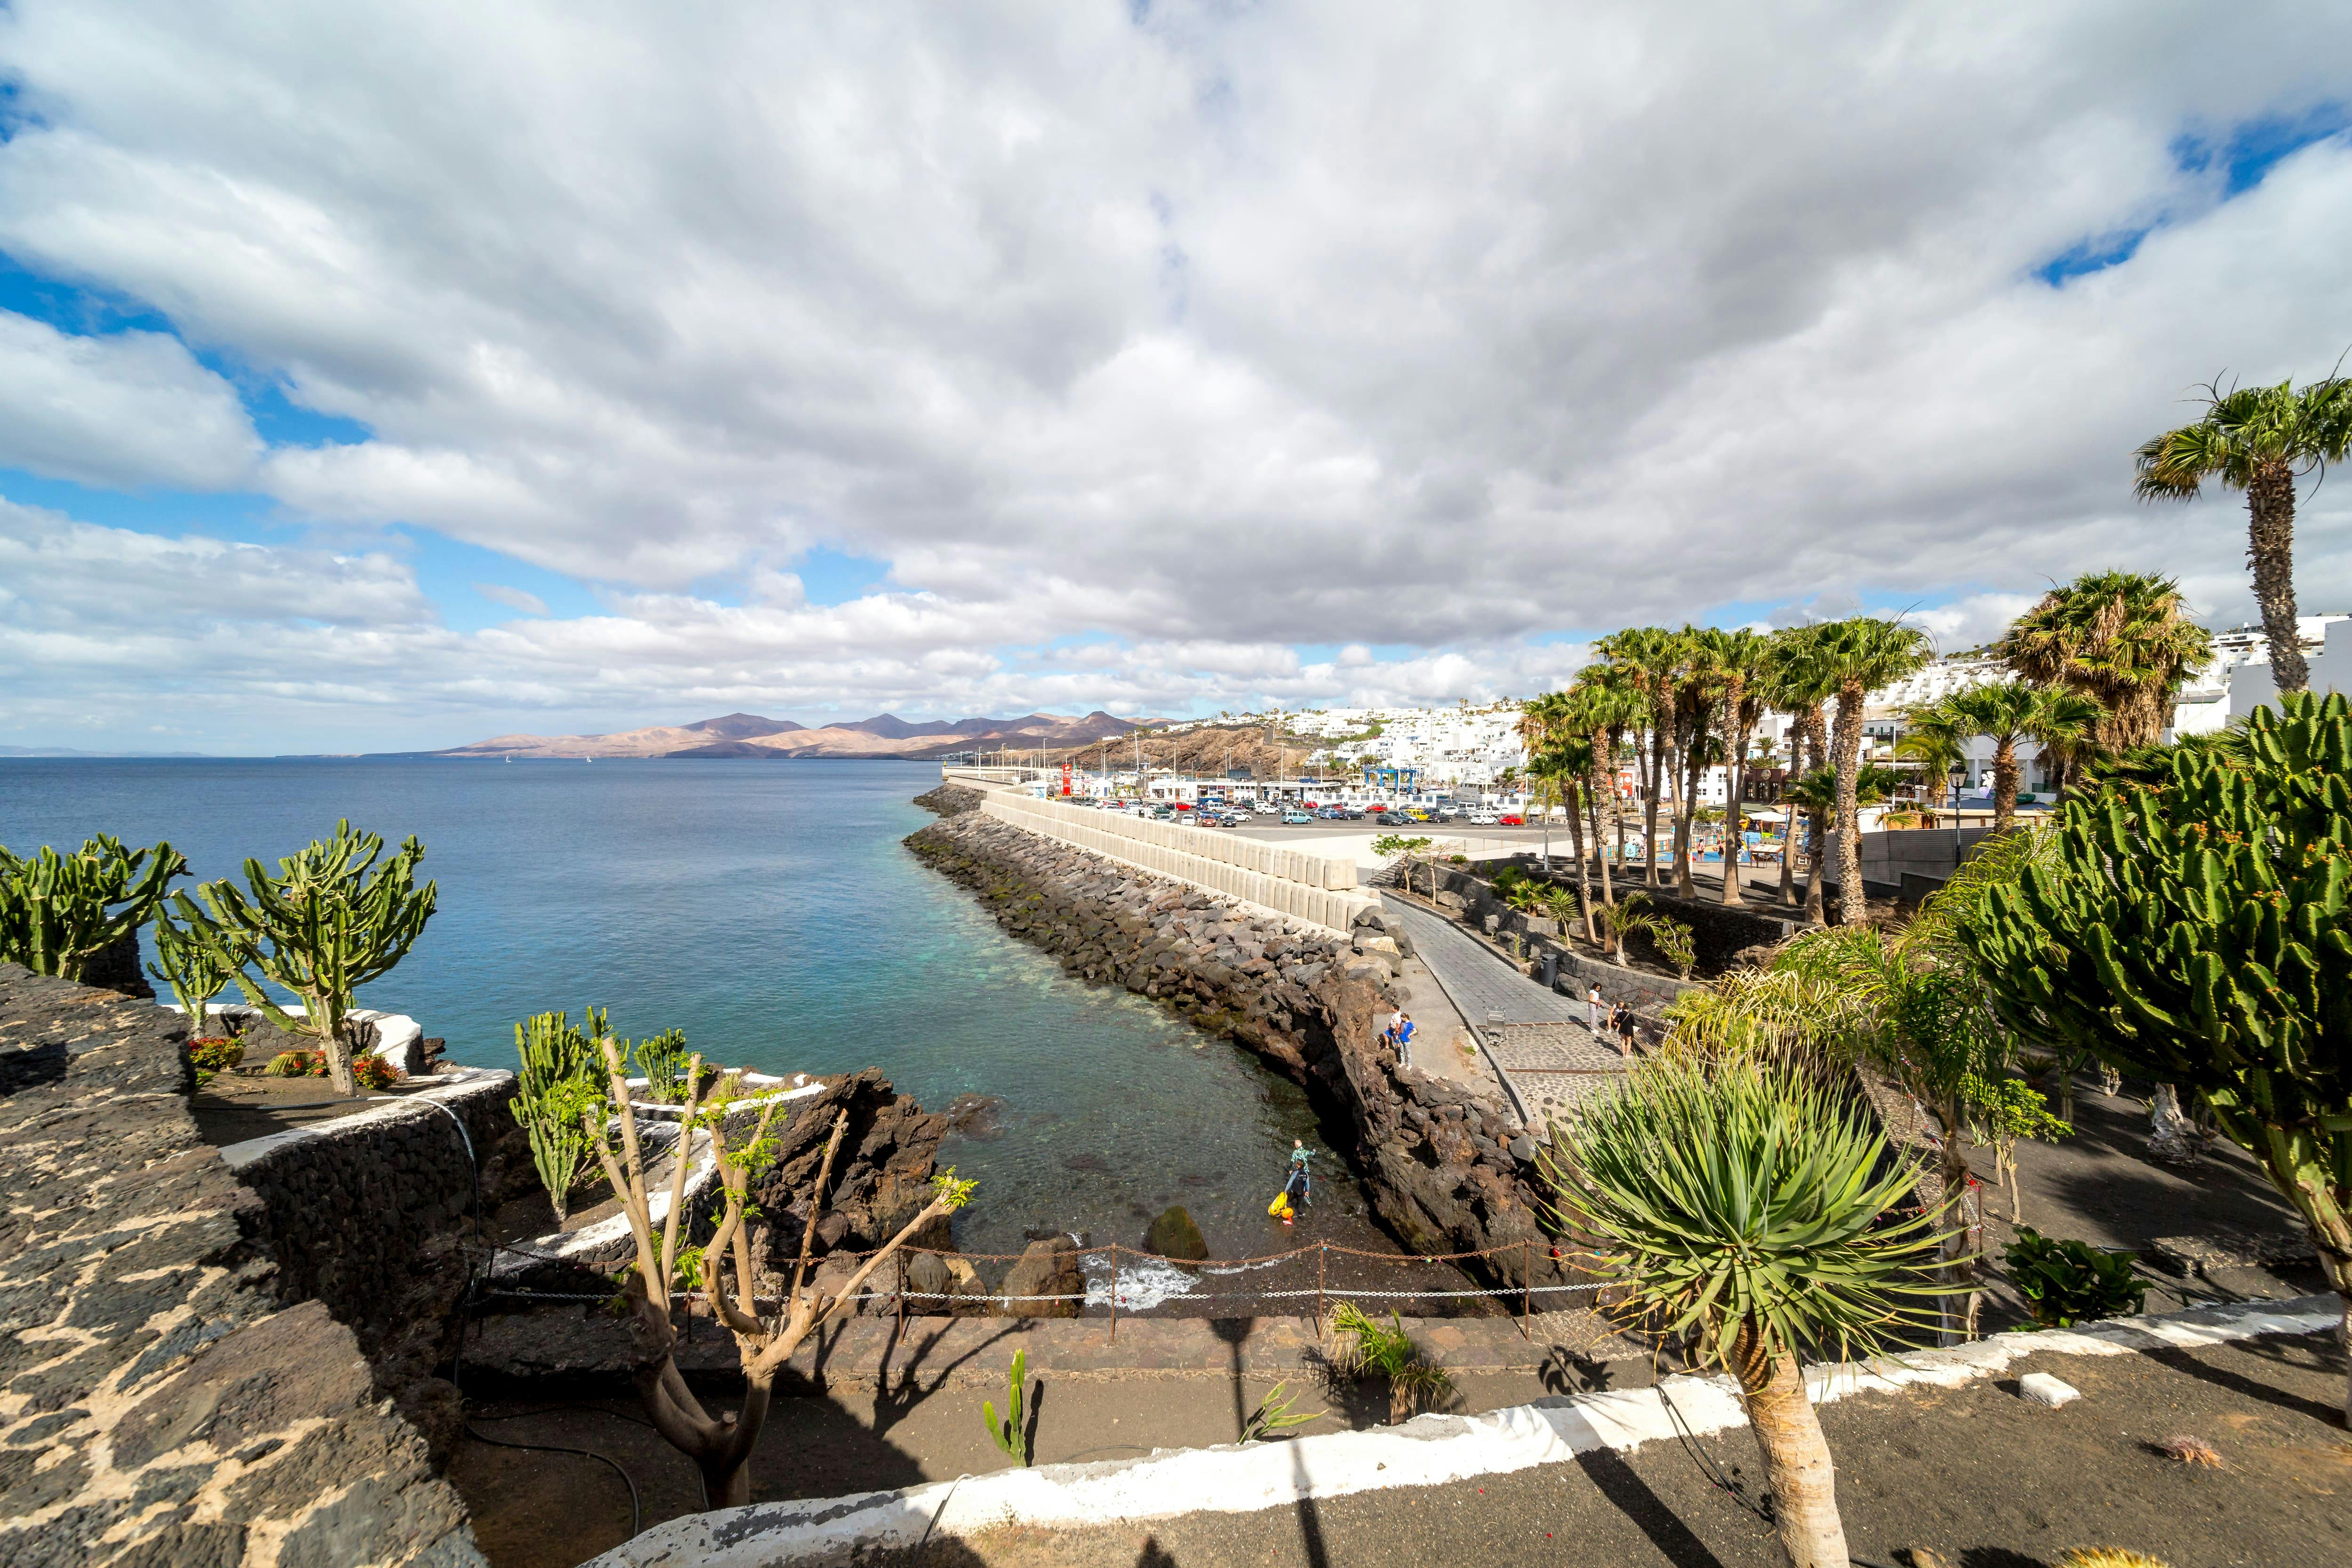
x: 1296, y: 1190
x: 1404, y: 1030
x: 1592, y: 1013
x: 1623, y: 1019
x: 1396, y: 1022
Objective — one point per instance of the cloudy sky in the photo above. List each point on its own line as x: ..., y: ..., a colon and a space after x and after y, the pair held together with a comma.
x: 384, y: 376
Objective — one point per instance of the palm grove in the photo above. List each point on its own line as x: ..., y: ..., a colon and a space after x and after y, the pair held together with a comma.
x: 2182, y: 920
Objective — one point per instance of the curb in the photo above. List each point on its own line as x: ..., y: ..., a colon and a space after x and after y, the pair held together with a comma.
x: 1430, y: 1450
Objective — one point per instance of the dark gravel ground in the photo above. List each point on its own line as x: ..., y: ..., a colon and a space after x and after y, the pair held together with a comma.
x: 1977, y: 1475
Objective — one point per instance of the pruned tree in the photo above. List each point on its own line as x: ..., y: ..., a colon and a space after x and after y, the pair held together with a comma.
x: 59, y: 912
x: 721, y: 1445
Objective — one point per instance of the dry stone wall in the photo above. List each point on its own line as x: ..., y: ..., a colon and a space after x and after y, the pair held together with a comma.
x: 160, y: 1403
x: 1436, y: 1156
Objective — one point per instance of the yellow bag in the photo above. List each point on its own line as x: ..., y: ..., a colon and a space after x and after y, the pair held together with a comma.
x: 1280, y: 1207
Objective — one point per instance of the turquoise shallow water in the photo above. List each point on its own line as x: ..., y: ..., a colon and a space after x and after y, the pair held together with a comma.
x: 769, y: 911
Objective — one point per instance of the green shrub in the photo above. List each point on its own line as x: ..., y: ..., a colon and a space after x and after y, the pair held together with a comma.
x: 214, y: 1055
x: 2067, y: 1282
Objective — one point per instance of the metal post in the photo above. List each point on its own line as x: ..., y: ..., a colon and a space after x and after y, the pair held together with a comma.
x: 1114, y: 1292
x: 1322, y: 1251
x: 902, y: 1294
x: 1526, y: 1286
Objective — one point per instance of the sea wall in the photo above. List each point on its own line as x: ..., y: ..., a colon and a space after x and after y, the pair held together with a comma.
x: 1318, y: 889
x: 160, y: 1401
x: 1435, y: 1155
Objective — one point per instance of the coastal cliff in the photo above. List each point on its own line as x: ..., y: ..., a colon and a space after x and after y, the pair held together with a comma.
x: 1434, y: 1156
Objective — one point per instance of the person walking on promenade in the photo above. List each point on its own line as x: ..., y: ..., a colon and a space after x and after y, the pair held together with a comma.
x: 1621, y: 1020
x: 1592, y: 1013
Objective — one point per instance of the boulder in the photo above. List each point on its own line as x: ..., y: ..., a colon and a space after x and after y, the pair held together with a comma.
x: 1175, y: 1235
x: 1044, y: 1268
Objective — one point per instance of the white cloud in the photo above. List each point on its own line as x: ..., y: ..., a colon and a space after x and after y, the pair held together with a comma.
x: 1206, y: 338
x: 120, y: 410
x: 513, y: 599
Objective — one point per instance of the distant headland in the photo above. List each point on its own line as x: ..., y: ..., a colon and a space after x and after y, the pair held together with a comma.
x: 750, y: 735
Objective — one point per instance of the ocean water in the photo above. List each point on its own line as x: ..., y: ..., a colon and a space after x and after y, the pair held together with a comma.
x: 768, y: 910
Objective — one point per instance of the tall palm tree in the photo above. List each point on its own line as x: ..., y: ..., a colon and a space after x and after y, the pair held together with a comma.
x: 1604, y: 713
x: 1856, y: 657
x: 1543, y: 724
x: 1792, y: 684
x: 2123, y: 639
x: 1744, y: 661
x: 1644, y: 659
x: 2261, y: 440
x: 1566, y: 763
x: 2007, y: 713
x: 1701, y: 670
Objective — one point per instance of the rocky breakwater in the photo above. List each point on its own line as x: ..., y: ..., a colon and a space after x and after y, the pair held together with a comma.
x: 1436, y: 1156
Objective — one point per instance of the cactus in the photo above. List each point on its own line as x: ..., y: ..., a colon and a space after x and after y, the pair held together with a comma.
x: 661, y: 1058
x: 195, y: 966
x: 2192, y: 929
x: 1006, y: 1431
x: 58, y: 912
x: 556, y: 1090
x: 322, y: 927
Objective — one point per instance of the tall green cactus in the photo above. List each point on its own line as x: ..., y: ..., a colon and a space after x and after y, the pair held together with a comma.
x: 558, y: 1081
x: 2192, y: 929
x: 191, y: 960
x: 322, y: 927
x: 58, y: 912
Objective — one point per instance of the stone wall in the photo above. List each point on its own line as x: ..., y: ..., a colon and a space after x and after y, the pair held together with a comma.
x: 160, y: 1403
x: 1288, y: 883
x: 1434, y: 1154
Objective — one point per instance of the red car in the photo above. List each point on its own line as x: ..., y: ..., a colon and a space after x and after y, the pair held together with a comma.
x: 1512, y: 821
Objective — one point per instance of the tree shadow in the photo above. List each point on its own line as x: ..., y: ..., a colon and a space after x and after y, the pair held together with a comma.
x: 1235, y: 1331
x: 897, y: 1387
x: 2222, y: 1378
x: 1616, y: 1480
x: 1565, y: 1371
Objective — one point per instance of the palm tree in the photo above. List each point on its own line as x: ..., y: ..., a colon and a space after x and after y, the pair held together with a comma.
x: 1792, y: 684
x: 1934, y: 745
x: 1757, y: 1208
x: 1566, y: 764
x: 1603, y: 714
x: 1745, y: 662
x: 1642, y: 661
x: 1855, y: 658
x: 2258, y: 440
x: 2006, y: 713
x: 2123, y: 639
x: 1543, y: 723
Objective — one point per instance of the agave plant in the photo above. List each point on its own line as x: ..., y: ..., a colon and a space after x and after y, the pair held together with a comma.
x: 1751, y: 1208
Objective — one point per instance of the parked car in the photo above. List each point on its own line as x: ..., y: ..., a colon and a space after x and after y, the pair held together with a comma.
x: 1513, y: 820
x: 1484, y: 819
x: 1296, y: 819
x: 1331, y: 814
x: 1387, y: 819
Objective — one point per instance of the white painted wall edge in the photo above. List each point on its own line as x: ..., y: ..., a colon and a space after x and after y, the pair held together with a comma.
x: 1431, y: 1450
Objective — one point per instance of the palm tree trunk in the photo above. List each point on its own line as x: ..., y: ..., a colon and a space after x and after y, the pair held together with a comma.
x: 1735, y: 787
x: 1795, y: 1455
x: 2004, y: 783
x: 1650, y: 778
x: 1600, y: 845
x: 1688, y: 849
x: 1853, y: 903
x: 1576, y: 847
x: 2269, y: 549
x: 2167, y: 1134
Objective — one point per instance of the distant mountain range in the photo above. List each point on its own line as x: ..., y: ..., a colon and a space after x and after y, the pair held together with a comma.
x: 750, y: 735
x: 69, y: 751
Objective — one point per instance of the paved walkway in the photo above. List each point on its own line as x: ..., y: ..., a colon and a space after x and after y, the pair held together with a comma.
x: 1537, y: 1039
x: 1479, y: 980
